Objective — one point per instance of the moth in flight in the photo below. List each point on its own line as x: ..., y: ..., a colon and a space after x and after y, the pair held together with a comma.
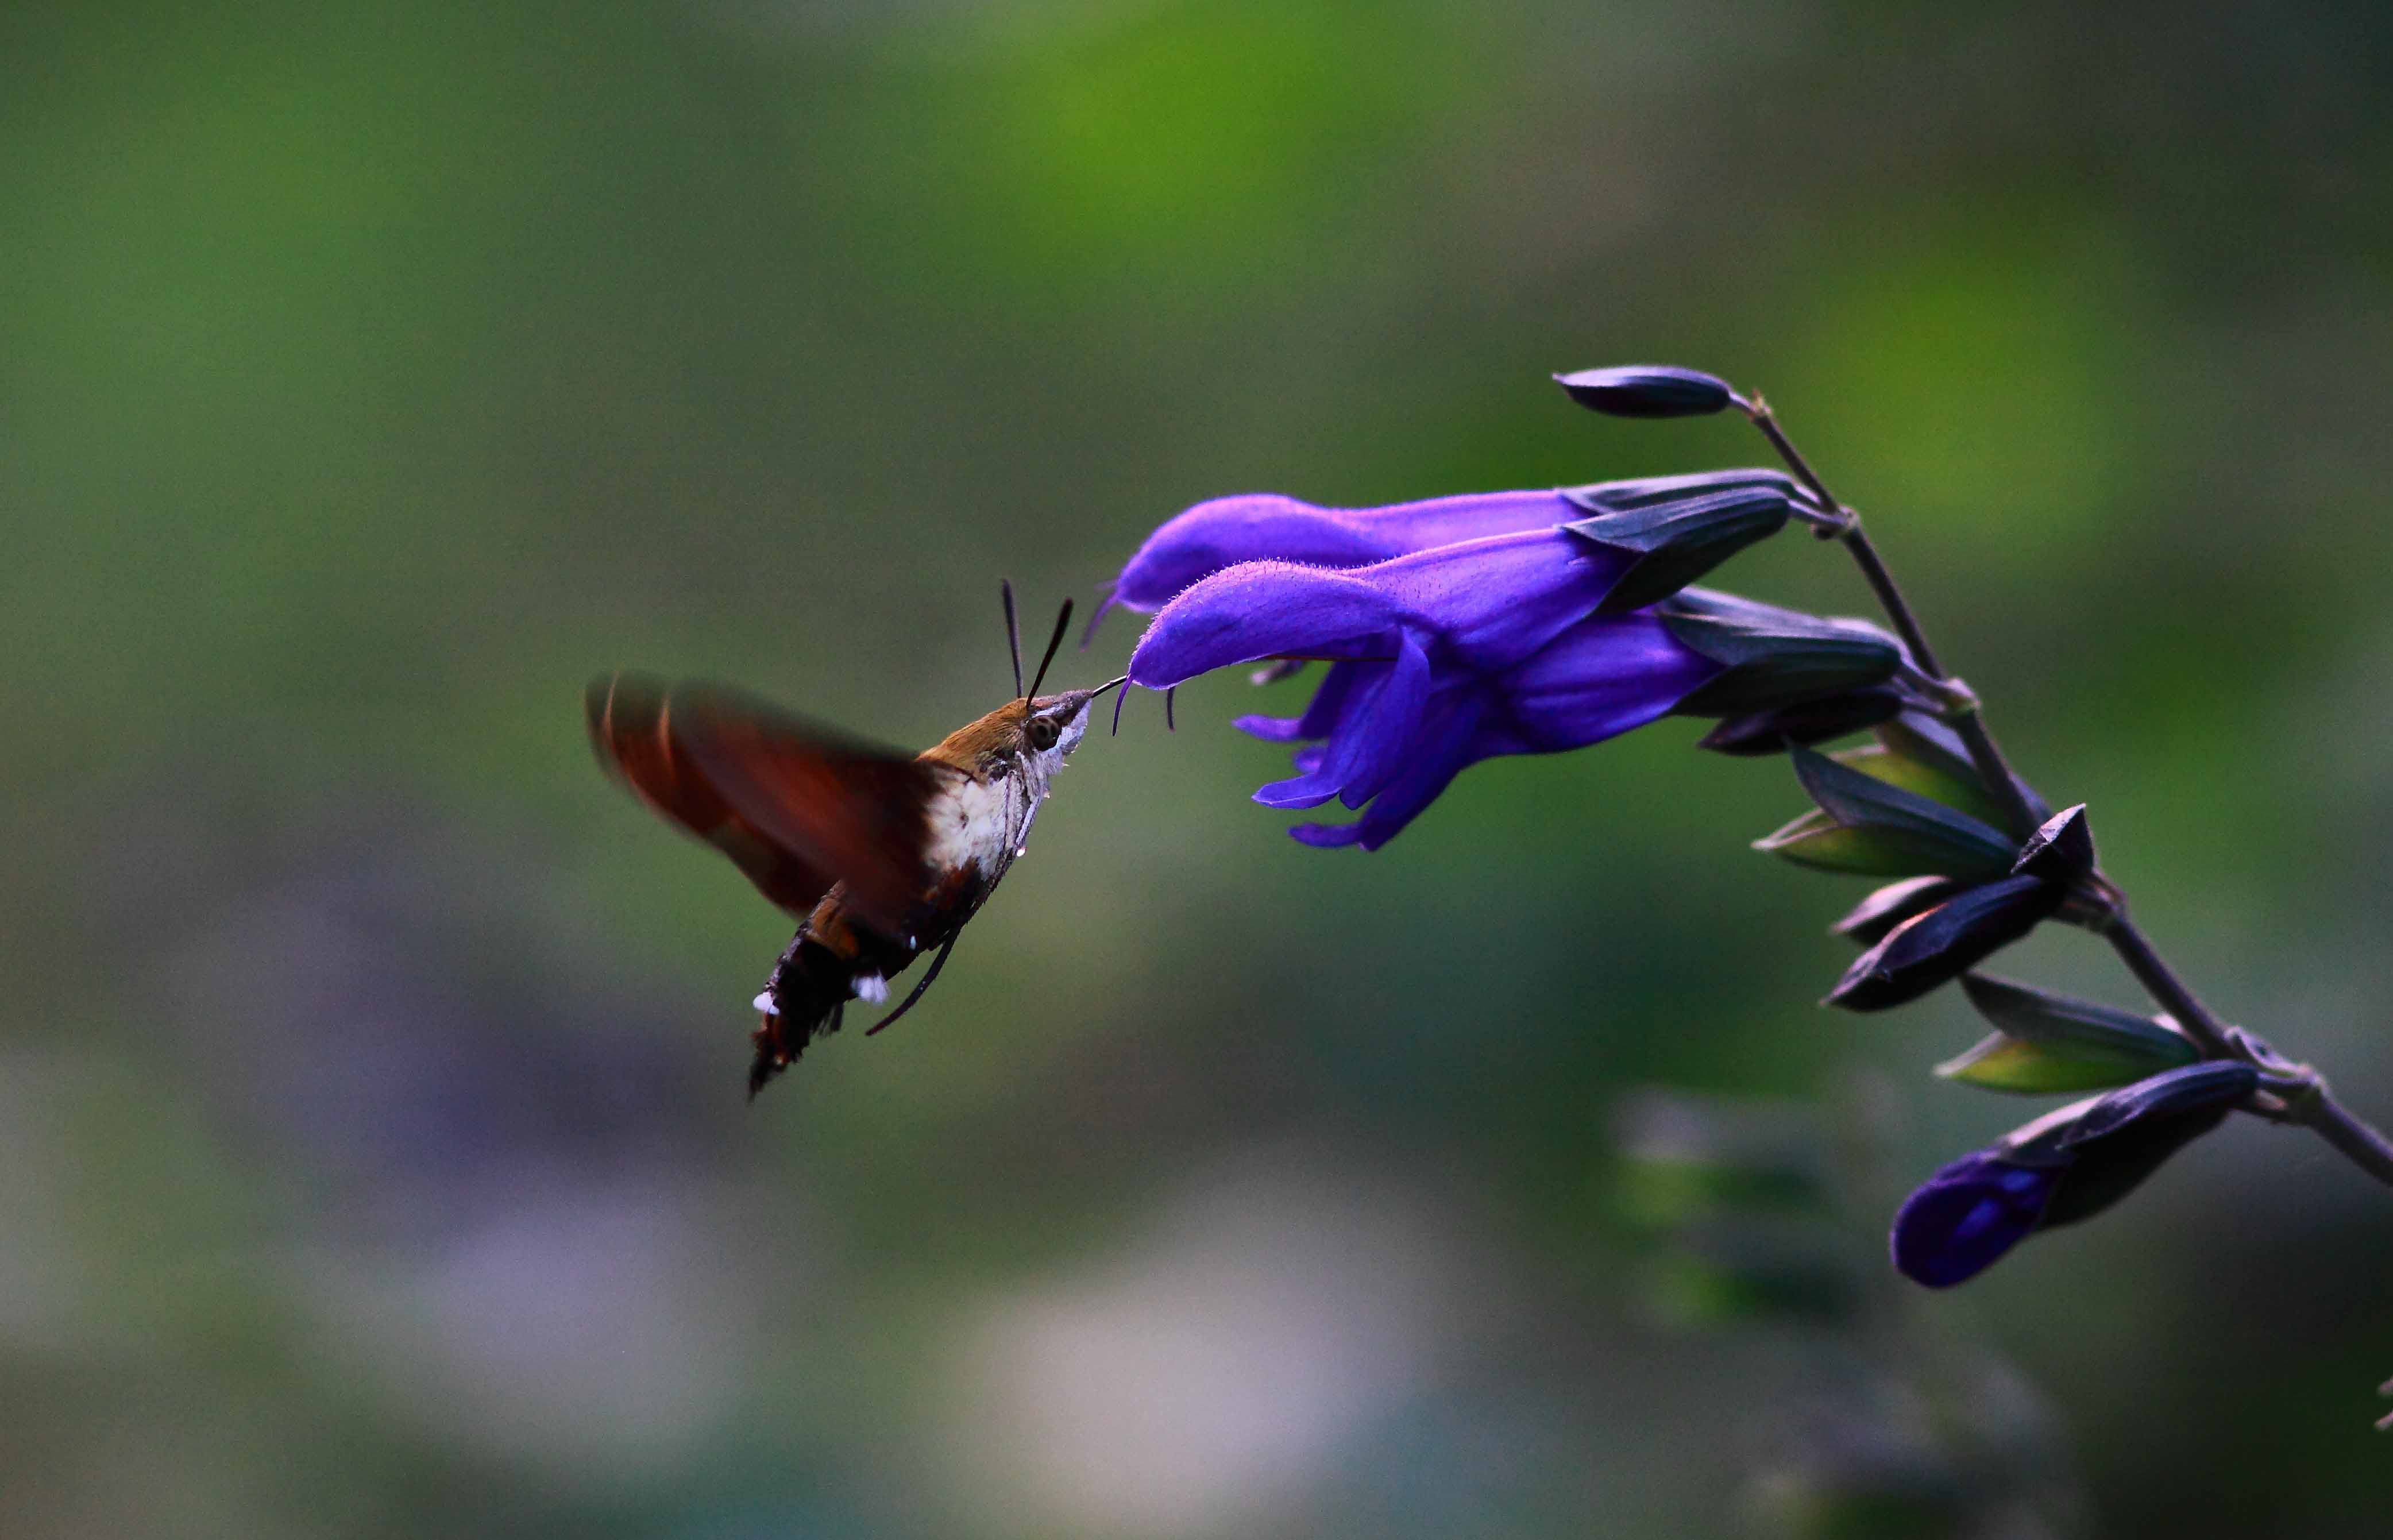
x: 880, y: 856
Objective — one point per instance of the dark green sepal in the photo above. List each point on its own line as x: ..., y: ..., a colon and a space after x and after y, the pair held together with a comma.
x: 1871, y: 918
x: 1644, y: 492
x: 2051, y: 1043
x: 1926, y: 777
x: 2097, y: 1171
x: 1816, y: 841
x: 1819, y: 720
x: 1677, y: 542
x: 1647, y: 390
x: 1930, y: 836
x: 1772, y: 656
x: 2108, y: 1171
x: 1922, y: 738
x: 2191, y: 1088
x: 1932, y: 948
x: 2061, y: 850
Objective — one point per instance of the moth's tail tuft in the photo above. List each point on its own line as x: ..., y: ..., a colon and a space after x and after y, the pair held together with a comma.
x: 805, y: 998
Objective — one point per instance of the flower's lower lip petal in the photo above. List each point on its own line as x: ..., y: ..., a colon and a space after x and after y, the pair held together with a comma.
x: 1272, y: 729
x: 1262, y: 609
x: 1379, y: 734
x: 1606, y: 676
x: 1310, y: 789
x: 1325, y: 836
x: 1451, y: 744
x: 1338, y: 684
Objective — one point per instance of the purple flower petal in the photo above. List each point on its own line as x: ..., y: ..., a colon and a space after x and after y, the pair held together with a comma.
x: 1447, y: 745
x: 1310, y: 789
x: 1229, y: 531
x: 1262, y: 609
x: 1605, y: 676
x: 1328, y: 701
x: 1967, y: 1215
x: 1488, y: 604
x: 1377, y: 734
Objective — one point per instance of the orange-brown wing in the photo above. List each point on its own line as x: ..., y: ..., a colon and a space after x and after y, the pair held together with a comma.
x: 796, y: 806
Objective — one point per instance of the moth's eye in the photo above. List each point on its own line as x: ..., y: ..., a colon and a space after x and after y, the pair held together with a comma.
x: 1042, y: 734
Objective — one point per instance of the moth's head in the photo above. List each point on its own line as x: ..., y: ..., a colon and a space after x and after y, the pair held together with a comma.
x: 1053, y: 725
x: 1044, y: 728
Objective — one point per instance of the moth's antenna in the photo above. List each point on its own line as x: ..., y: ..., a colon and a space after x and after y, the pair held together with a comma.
x: 1117, y: 705
x: 1063, y: 623
x: 1012, y: 633
x: 1168, y: 726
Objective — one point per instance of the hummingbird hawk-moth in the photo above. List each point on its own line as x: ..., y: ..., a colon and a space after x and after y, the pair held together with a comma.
x: 881, y: 856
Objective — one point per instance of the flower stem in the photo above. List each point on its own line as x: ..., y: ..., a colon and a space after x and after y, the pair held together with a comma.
x: 2309, y: 1104
x: 1968, y: 723
x: 2312, y: 1105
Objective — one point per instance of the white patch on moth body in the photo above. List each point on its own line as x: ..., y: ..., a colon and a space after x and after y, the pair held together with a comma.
x: 872, y: 988
x: 764, y: 1001
x: 986, y: 824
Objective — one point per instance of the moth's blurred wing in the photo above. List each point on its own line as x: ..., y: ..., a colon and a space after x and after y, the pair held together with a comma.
x: 796, y: 806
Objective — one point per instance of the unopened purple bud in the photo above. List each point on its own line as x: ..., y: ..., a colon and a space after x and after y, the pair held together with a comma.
x: 1871, y: 918
x: 1647, y: 390
x: 1935, y: 947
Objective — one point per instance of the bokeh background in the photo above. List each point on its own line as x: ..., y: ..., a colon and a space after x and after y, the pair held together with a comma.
x: 373, y: 1159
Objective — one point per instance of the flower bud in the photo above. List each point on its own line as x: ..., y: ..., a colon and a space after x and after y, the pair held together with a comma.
x: 1947, y: 941
x: 1647, y: 390
x: 2065, y: 1167
x: 1870, y: 919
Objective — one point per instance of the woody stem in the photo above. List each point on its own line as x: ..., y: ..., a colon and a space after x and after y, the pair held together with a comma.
x: 2310, y: 1104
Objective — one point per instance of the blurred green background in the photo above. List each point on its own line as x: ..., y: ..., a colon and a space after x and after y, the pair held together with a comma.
x: 373, y: 1159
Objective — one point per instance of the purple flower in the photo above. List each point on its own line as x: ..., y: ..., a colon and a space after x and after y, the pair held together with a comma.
x: 2066, y: 1165
x: 1266, y: 526
x: 1441, y: 656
